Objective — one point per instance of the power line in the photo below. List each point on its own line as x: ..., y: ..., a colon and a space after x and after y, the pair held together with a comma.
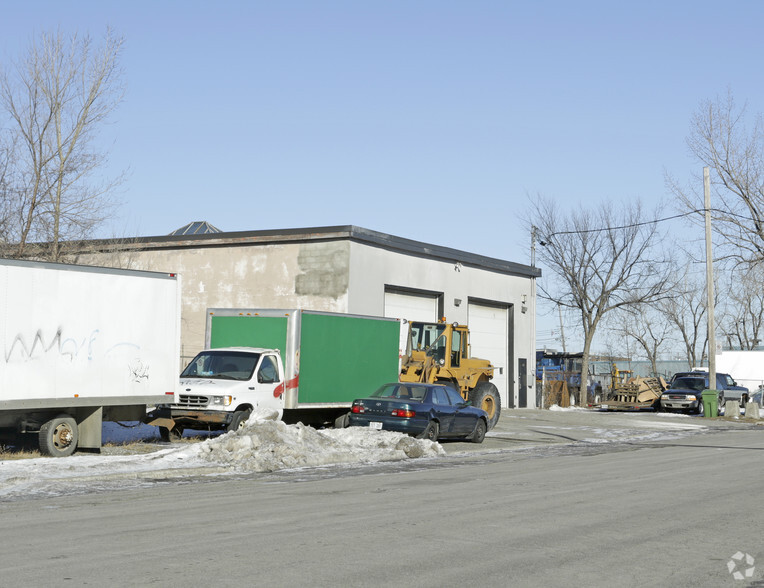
x: 651, y: 222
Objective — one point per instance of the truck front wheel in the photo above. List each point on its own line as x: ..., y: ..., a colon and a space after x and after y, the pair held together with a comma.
x: 238, y: 420
x: 486, y: 396
x: 58, y: 437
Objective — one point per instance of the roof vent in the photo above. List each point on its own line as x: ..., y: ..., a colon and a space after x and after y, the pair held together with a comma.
x: 196, y: 228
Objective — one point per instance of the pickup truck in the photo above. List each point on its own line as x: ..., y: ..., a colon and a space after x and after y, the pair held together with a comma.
x: 728, y: 388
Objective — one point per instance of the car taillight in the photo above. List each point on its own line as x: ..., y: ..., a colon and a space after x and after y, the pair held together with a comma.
x: 357, y: 408
x: 403, y: 412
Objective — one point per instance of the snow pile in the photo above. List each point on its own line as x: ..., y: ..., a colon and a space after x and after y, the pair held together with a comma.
x: 266, y: 444
x: 558, y: 408
x: 262, y: 445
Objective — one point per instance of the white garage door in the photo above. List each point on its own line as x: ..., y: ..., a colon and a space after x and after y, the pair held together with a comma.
x: 489, y: 339
x: 411, y: 308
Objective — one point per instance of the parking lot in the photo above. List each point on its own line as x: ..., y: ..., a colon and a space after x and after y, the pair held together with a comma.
x: 521, y: 428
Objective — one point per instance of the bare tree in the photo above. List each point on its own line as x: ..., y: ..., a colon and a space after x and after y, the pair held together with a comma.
x: 56, y: 98
x: 721, y: 139
x: 686, y: 311
x: 600, y: 260
x: 743, y: 313
x: 647, y: 327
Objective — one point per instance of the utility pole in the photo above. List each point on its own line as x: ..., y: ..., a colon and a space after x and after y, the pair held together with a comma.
x: 709, y: 283
x: 562, y: 331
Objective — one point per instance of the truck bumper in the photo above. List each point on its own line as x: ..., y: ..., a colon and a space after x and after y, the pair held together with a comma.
x: 171, y: 417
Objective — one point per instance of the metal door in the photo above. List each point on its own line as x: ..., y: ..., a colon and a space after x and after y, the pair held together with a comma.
x: 522, y: 382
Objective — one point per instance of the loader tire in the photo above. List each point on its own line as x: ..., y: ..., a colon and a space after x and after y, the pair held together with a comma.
x: 58, y: 437
x: 486, y: 396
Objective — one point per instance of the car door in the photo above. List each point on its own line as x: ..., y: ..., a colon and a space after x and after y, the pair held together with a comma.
x: 441, y: 406
x: 464, y: 419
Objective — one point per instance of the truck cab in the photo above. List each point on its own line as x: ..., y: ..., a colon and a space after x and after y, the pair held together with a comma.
x: 220, y: 388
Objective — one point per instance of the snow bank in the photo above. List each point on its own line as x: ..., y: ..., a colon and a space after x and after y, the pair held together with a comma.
x: 266, y: 444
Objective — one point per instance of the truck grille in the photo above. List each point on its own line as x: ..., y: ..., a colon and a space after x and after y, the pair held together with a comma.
x: 193, y: 401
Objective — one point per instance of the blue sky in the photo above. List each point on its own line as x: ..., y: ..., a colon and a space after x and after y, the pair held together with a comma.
x: 430, y: 120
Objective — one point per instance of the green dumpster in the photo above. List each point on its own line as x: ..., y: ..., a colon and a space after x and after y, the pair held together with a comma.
x: 710, y: 403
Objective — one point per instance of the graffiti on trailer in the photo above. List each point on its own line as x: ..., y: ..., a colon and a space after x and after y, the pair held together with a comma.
x: 68, y: 347
x: 138, y: 370
x: 71, y: 348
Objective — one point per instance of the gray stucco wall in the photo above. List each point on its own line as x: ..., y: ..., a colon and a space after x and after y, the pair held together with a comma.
x: 334, y: 275
x: 311, y: 275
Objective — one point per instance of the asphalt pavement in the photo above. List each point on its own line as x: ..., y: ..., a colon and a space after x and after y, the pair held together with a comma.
x: 550, y: 499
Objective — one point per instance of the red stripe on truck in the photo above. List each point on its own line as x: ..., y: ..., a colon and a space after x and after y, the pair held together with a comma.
x: 279, y: 390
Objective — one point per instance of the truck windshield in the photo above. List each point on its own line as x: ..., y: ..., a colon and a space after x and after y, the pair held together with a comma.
x: 695, y: 384
x: 226, y: 365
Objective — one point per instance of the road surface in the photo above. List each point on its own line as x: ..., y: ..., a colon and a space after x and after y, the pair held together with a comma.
x: 639, y: 513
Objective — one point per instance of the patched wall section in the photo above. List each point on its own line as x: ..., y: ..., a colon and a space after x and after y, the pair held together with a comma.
x: 324, y: 269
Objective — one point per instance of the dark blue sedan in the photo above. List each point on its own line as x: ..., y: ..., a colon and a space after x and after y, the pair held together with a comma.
x: 428, y: 411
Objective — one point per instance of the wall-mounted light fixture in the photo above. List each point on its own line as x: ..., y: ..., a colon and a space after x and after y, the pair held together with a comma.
x: 457, y: 301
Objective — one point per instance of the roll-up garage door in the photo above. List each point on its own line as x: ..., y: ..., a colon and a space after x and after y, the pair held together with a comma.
x: 489, y: 339
x: 410, y: 307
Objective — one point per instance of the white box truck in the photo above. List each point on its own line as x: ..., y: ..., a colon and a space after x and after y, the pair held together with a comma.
x: 81, y: 345
x: 307, y: 365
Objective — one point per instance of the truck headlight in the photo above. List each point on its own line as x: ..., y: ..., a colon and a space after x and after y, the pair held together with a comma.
x: 691, y: 397
x: 221, y: 400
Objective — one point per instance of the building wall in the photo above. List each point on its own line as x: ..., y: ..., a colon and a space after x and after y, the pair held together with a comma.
x: 372, y: 269
x: 311, y: 275
x: 340, y: 275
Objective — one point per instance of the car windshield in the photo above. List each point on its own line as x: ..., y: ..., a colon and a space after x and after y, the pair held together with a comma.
x: 401, y: 392
x: 695, y: 384
x: 225, y: 365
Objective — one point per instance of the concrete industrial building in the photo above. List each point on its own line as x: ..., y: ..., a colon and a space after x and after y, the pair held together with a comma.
x: 351, y: 270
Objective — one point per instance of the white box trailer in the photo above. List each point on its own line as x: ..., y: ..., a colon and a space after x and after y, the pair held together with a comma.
x: 81, y: 345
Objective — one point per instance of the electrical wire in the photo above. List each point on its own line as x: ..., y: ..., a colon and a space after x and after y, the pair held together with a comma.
x: 651, y: 222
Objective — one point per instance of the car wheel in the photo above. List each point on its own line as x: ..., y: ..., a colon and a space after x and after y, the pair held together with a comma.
x: 430, y: 431
x: 479, y: 433
x: 700, y: 410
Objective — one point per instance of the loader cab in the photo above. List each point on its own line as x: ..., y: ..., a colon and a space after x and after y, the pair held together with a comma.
x: 445, y: 343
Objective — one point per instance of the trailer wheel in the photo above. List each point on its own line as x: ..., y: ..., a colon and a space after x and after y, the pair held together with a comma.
x: 238, y: 420
x: 171, y: 435
x: 430, y: 431
x: 486, y: 396
x: 58, y: 437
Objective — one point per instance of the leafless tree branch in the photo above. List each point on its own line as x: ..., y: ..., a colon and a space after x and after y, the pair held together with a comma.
x: 57, y: 97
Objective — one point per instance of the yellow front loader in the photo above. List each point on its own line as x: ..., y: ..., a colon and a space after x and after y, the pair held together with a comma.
x: 438, y: 353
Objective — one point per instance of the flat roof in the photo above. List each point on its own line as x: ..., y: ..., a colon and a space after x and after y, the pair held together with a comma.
x: 335, y: 233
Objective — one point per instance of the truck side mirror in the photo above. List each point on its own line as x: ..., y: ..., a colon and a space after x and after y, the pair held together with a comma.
x: 264, y: 379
